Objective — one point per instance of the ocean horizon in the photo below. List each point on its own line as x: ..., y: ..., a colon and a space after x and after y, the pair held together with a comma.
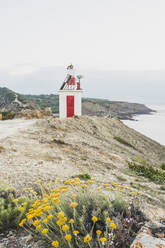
x: 151, y: 125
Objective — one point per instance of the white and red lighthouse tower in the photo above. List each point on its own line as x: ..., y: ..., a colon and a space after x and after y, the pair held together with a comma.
x: 70, y: 94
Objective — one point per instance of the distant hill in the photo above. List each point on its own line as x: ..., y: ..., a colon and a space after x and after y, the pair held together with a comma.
x: 14, y: 102
x: 94, y: 107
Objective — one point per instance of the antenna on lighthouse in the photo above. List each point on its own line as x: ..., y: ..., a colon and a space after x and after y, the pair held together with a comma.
x: 80, y: 76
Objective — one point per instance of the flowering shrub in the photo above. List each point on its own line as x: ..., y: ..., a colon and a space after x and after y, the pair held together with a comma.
x: 80, y: 214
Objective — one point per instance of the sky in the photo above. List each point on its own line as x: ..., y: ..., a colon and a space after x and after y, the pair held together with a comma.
x: 118, y: 45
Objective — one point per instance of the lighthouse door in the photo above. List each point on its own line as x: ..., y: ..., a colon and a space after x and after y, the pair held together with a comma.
x: 70, y: 106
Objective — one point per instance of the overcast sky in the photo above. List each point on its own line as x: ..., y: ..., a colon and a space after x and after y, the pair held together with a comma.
x: 119, y: 45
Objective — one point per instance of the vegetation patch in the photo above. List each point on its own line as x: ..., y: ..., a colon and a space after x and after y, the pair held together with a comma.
x: 7, y: 115
x: 162, y: 166
x: 1, y: 148
x: 76, y: 215
x: 9, y: 210
x: 85, y: 176
x: 162, y: 187
x: 153, y: 174
x: 124, y: 142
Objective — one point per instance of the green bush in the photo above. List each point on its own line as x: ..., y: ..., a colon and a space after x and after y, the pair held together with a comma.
x: 162, y: 166
x: 9, y: 210
x: 124, y: 142
x: 7, y: 115
x: 153, y: 174
x: 85, y: 176
x: 162, y: 187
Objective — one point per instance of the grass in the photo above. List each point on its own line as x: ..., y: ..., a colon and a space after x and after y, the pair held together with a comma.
x: 149, y: 172
x: 124, y: 142
x: 85, y: 176
x: 162, y: 166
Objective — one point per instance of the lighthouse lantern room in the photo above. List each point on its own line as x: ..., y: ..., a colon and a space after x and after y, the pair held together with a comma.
x: 70, y: 95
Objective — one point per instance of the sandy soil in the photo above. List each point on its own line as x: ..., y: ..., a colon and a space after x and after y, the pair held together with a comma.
x: 10, y: 127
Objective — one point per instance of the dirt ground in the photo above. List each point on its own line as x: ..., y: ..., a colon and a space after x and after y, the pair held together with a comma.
x: 50, y: 149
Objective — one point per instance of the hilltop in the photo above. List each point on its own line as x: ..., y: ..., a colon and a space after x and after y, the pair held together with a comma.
x: 102, y: 147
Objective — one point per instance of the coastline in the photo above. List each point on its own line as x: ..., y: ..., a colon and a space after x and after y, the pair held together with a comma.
x: 150, y: 125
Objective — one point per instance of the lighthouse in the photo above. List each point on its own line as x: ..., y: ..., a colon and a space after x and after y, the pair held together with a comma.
x: 70, y: 95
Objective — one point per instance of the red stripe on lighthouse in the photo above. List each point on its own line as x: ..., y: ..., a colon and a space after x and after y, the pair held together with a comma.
x: 70, y: 106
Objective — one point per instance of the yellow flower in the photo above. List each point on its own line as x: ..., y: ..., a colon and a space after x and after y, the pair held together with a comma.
x: 45, y: 221
x: 24, y: 204
x: 74, y: 196
x: 65, y: 228
x: 44, y: 231
x: 99, y: 232
x: 76, y: 232
x: 103, y: 240
x: 108, y: 219
x: 112, y: 225
x: 67, y: 182
x: 29, y: 216
x: 38, y: 227
x: 56, y: 200
x: 133, y: 193
x: 47, y: 208
x: 84, y: 186
x: 22, y: 222
x: 60, y: 215
x: 73, y: 204
x: 55, y: 243
x: 68, y: 237
x: 50, y: 217
x: 36, y: 223
x: 87, y: 238
x: 94, y: 219
x: 71, y: 221
x: 21, y: 209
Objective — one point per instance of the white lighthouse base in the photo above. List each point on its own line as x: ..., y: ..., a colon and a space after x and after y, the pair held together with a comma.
x: 63, y: 102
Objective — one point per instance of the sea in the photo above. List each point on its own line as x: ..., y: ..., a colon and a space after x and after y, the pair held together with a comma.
x: 152, y: 125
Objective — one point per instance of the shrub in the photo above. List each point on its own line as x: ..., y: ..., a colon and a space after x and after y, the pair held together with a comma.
x: 76, y: 215
x: 7, y: 115
x: 1, y: 148
x: 162, y: 187
x: 162, y: 166
x: 9, y: 211
x: 124, y: 142
x: 85, y: 176
x: 153, y: 174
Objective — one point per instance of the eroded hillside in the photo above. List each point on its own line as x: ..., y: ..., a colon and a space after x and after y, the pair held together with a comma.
x: 63, y: 148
